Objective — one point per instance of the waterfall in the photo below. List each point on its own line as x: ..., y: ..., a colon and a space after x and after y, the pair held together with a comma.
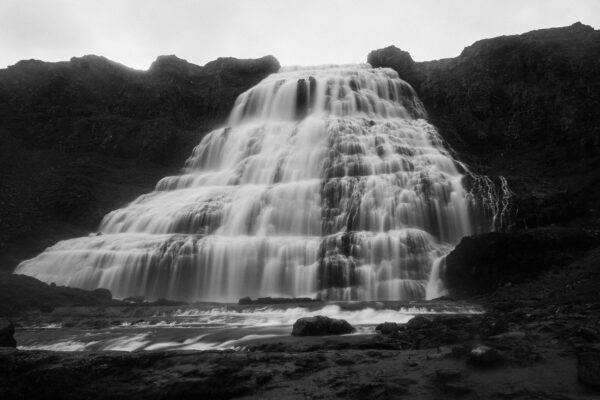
x: 326, y: 181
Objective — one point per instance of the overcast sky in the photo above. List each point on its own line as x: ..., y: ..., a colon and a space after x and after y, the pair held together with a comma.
x: 305, y: 32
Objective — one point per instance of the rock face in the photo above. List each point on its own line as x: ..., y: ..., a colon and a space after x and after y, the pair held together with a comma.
x: 20, y: 292
x: 320, y: 326
x: 7, y: 330
x: 93, y: 104
x: 483, y: 262
x: 525, y: 107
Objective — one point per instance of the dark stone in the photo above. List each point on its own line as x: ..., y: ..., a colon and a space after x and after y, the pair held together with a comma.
x: 388, y: 328
x: 444, y: 375
x: 7, y: 330
x: 484, y: 262
x: 22, y: 292
x: 419, y: 322
x: 167, y: 303
x: 102, y: 293
x: 588, y: 368
x: 485, y: 356
x: 397, y: 59
x: 276, y: 300
x: 320, y: 325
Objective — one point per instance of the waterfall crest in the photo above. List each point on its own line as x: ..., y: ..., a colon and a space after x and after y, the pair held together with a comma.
x: 326, y: 181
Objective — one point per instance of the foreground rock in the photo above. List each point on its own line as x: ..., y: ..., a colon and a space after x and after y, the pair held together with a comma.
x: 320, y: 326
x: 21, y: 293
x: 483, y: 262
x: 7, y: 330
x: 485, y: 356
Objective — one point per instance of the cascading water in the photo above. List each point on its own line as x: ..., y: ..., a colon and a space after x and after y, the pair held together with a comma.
x: 326, y: 182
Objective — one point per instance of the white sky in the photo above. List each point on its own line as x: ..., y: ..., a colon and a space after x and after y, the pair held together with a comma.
x: 306, y: 32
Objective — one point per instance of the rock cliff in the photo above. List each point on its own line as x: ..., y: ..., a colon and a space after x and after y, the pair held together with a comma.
x: 526, y: 107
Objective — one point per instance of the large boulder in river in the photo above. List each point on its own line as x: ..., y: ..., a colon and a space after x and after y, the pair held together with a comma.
x: 7, y: 330
x: 320, y: 326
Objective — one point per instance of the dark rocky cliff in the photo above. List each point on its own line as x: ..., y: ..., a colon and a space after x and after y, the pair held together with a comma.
x: 94, y: 104
x: 82, y: 137
x: 526, y: 107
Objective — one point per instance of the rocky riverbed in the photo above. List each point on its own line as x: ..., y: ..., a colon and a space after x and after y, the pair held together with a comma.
x: 529, y: 352
x: 537, y: 340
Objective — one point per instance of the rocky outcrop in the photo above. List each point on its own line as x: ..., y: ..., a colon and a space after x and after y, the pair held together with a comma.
x: 320, y: 325
x: 20, y: 293
x: 93, y: 104
x: 484, y: 262
x: 7, y: 330
x: 525, y: 107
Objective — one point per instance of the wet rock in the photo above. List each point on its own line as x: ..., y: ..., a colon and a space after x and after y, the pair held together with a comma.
x: 7, y: 330
x: 168, y: 303
x: 485, y: 356
x: 446, y: 374
x: 419, y: 322
x: 102, y: 293
x: 481, y: 263
x: 320, y: 325
x: 276, y: 300
x: 388, y: 328
x: 588, y: 368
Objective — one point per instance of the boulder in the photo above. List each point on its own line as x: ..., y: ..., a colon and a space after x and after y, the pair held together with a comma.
x: 102, y: 293
x: 7, y: 330
x: 388, y: 328
x: 485, y: 356
x: 482, y: 263
x: 320, y: 326
x: 419, y: 322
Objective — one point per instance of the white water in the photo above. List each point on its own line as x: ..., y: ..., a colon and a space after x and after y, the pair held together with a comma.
x: 218, y: 328
x: 326, y: 182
